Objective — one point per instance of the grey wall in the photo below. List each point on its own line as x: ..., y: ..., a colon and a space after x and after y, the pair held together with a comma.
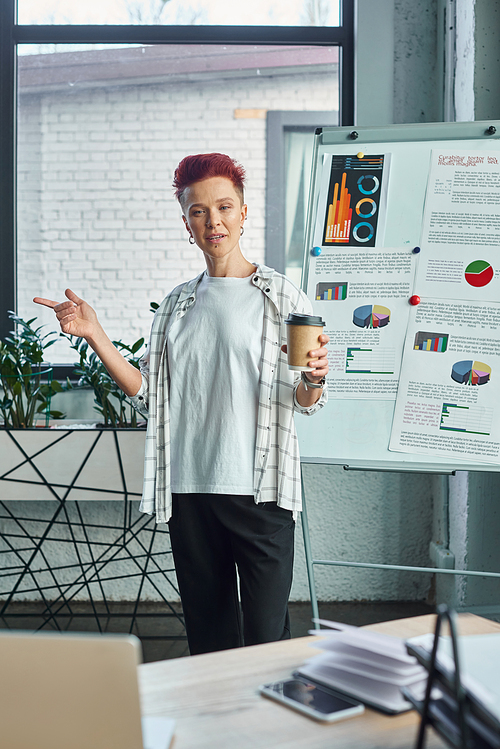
x: 363, y: 516
x: 473, y: 533
x: 482, y: 541
x: 399, y: 68
x: 401, y: 50
x: 487, y: 59
x: 417, y: 82
x: 374, y: 62
x: 461, y: 37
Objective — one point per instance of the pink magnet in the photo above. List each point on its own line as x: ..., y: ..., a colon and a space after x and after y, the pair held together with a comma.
x: 414, y: 300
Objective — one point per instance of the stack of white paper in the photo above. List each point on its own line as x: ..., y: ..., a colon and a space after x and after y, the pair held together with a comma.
x: 480, y: 664
x: 367, y: 665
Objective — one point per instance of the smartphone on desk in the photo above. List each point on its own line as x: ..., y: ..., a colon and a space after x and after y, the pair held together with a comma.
x: 312, y: 699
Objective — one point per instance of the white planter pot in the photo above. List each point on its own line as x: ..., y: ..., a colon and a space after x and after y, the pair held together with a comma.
x: 42, y: 464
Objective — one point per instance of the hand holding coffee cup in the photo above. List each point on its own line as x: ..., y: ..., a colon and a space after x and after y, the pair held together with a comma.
x: 305, y: 345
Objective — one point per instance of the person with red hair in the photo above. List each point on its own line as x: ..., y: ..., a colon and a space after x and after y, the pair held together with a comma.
x: 222, y: 465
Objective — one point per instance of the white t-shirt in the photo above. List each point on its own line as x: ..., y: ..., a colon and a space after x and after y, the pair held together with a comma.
x: 214, y: 358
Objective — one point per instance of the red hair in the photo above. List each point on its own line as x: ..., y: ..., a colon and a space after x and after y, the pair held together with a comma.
x: 205, y: 165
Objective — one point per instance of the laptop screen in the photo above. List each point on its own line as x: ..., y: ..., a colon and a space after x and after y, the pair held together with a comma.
x: 69, y: 690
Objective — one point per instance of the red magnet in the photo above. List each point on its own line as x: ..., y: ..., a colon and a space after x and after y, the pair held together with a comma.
x: 414, y: 300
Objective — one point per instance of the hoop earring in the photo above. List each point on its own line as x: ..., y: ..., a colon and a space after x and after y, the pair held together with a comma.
x: 191, y: 239
x: 242, y: 230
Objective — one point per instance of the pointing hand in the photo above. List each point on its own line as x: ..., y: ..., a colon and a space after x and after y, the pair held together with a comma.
x: 75, y: 316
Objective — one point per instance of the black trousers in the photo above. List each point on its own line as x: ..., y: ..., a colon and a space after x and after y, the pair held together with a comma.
x: 212, y: 536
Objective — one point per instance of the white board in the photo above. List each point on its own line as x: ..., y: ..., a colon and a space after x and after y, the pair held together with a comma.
x: 356, y: 432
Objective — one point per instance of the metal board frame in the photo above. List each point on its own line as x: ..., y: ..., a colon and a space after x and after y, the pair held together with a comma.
x: 315, y: 449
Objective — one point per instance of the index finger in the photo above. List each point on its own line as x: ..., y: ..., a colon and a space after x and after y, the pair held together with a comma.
x: 45, y: 302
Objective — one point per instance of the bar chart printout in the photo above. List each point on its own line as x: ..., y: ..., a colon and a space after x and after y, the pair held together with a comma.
x: 353, y: 200
x: 470, y: 372
x: 369, y: 361
x: 430, y: 342
x: 467, y: 419
x: 331, y: 291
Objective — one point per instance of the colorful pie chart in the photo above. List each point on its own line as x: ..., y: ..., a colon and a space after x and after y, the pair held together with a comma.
x: 478, y: 273
x: 470, y: 372
x: 371, y: 316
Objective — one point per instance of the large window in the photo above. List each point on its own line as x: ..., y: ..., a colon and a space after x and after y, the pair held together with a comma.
x: 99, y: 135
x: 103, y: 116
x: 173, y: 12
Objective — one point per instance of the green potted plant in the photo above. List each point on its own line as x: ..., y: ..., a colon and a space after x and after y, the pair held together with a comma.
x: 78, y: 461
x: 67, y: 460
x: 27, y: 384
x: 110, y: 401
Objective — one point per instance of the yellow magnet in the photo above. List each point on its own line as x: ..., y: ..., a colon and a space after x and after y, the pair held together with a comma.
x: 360, y: 155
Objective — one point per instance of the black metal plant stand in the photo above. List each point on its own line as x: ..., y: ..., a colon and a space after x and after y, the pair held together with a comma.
x: 93, y: 557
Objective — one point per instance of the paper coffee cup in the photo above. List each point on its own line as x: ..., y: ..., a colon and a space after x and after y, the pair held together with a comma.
x: 302, y: 335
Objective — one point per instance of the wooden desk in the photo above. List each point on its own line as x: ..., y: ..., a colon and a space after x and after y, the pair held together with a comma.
x: 215, y: 702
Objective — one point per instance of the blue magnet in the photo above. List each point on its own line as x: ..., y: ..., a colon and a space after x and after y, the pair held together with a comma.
x: 416, y: 250
x: 316, y: 251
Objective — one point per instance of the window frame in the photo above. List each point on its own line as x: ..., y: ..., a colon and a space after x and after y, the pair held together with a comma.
x: 278, y: 123
x: 12, y: 34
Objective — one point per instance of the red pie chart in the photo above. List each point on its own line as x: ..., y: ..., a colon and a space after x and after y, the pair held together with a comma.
x: 478, y: 273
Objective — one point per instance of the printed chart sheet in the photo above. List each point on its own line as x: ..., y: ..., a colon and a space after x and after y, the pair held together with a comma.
x: 363, y: 298
x: 448, y: 400
x: 352, y: 201
x: 461, y: 227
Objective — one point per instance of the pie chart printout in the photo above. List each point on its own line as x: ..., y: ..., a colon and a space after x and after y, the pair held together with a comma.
x: 470, y: 372
x: 371, y: 316
x: 479, y: 273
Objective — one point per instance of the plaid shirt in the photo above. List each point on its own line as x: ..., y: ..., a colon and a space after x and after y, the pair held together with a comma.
x: 277, y: 461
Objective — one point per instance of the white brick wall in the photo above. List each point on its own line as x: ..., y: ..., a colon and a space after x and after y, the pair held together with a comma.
x: 96, y: 210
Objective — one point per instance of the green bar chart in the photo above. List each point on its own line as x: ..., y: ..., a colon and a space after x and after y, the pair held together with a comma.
x: 466, y: 419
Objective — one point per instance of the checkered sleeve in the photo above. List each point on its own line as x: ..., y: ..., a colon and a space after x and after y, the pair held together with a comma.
x: 140, y: 400
x: 277, y: 460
